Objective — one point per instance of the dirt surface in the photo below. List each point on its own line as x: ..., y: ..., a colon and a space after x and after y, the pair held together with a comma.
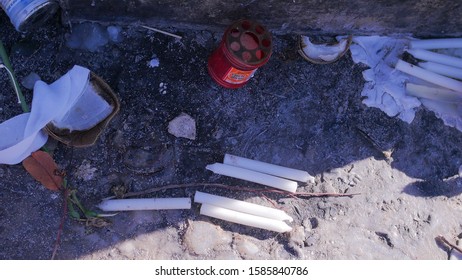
x: 292, y: 113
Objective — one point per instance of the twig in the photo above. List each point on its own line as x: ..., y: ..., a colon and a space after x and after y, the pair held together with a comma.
x: 385, y: 154
x: 7, y: 65
x: 308, y: 194
x: 234, y: 188
x: 61, y: 225
x: 443, y: 240
x: 161, y: 31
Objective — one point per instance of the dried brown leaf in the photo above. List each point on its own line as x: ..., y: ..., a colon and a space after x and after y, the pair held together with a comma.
x: 43, y: 168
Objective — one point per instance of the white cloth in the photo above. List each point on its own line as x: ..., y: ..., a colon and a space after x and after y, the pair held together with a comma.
x: 384, y: 87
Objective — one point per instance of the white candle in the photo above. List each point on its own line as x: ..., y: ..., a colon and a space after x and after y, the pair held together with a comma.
x: 436, y: 57
x: 243, y: 218
x: 442, y: 69
x: 253, y: 176
x: 145, y: 204
x: 242, y: 206
x: 449, y: 43
x: 429, y: 76
x: 268, y: 168
x: 439, y: 94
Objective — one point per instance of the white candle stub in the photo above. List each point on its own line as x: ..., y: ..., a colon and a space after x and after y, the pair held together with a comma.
x: 241, y: 206
x: 448, y: 43
x: 429, y: 76
x: 436, y: 57
x: 268, y: 168
x: 253, y: 176
x: 145, y: 204
x: 442, y: 69
x: 243, y: 218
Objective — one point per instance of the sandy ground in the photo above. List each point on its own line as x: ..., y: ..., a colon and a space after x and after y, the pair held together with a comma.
x: 292, y: 113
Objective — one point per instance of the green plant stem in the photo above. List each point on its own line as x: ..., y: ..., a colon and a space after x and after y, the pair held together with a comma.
x: 6, y: 61
x: 14, y: 81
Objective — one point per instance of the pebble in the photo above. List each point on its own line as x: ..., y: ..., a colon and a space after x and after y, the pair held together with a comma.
x: 183, y: 126
x: 154, y: 63
x: 203, y: 237
x: 163, y: 88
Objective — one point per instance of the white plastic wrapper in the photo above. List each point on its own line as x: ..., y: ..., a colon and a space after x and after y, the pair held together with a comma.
x: 23, y: 134
x: 15, y: 145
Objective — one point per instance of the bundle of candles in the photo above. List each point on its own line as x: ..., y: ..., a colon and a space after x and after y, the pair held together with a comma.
x: 242, y: 212
x: 267, y: 174
x: 215, y: 206
x: 442, y: 70
x: 228, y: 209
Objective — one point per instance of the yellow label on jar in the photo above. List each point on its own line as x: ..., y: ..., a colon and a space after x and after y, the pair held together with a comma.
x: 236, y: 76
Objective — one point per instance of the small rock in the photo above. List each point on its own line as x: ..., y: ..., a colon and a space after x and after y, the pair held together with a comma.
x: 154, y: 62
x: 29, y: 80
x: 163, y: 88
x: 183, y: 126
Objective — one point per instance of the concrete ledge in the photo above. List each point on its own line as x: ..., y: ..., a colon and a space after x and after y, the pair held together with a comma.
x: 426, y: 18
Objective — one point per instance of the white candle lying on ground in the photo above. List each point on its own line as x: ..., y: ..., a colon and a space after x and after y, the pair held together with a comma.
x: 429, y: 76
x: 268, y: 168
x: 442, y: 69
x: 449, y: 43
x: 436, y: 57
x: 253, y: 176
x: 145, y: 204
x: 242, y: 206
x: 243, y: 218
x: 439, y: 94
